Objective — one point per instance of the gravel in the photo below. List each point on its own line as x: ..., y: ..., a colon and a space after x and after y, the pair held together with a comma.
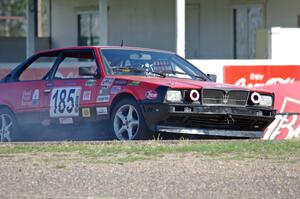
x: 190, y: 175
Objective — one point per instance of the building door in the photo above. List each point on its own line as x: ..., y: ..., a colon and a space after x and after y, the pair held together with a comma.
x: 88, y: 29
x: 247, y: 20
x: 192, y: 31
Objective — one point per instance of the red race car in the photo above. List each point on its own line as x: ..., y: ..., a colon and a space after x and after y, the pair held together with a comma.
x: 137, y: 92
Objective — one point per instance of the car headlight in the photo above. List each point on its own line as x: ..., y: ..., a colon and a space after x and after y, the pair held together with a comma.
x: 174, y: 96
x: 255, y: 98
x: 266, y: 100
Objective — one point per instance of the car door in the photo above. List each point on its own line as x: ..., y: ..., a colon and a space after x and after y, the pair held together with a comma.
x: 73, y: 88
x: 27, y: 93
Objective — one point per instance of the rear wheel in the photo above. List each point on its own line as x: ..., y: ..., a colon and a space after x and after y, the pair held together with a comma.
x: 8, y: 125
x: 127, y: 122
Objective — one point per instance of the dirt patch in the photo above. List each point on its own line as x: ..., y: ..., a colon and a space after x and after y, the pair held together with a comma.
x: 188, y: 175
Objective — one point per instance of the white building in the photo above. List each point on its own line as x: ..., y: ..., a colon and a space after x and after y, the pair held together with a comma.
x: 195, y: 29
x: 198, y: 29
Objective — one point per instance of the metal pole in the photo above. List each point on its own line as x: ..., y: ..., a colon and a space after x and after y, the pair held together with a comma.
x: 30, y: 39
x: 103, y: 22
x: 180, y: 27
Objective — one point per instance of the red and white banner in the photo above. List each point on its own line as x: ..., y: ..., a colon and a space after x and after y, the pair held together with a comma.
x: 284, y: 81
x: 257, y: 76
x: 287, y: 103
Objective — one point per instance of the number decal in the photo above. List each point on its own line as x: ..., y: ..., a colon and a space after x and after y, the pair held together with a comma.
x: 54, y: 96
x: 70, y: 100
x: 65, y: 102
x: 62, y: 104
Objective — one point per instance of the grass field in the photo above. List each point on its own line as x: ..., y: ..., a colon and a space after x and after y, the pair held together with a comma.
x: 134, y: 151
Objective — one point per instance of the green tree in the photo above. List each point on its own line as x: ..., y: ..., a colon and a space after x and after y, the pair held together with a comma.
x: 13, y: 18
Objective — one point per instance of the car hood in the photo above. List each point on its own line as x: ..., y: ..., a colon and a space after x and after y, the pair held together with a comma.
x: 177, y: 83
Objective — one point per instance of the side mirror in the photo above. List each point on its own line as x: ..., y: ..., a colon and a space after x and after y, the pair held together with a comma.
x: 212, y: 77
x: 87, y: 71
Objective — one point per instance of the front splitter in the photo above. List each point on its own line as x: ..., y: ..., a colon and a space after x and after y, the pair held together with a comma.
x: 209, y: 132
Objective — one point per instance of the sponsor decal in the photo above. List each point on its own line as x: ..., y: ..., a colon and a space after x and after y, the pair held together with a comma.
x: 68, y: 120
x: 104, y: 98
x: 134, y: 83
x: 121, y: 82
x: 101, y: 110
x: 48, y: 84
x: 151, y: 95
x: 90, y: 82
x: 35, y: 97
x: 26, y: 98
x: 86, y: 95
x: 70, y: 83
x: 115, y: 90
x: 86, y: 112
x: 104, y: 90
x: 286, y: 125
x: 107, y: 81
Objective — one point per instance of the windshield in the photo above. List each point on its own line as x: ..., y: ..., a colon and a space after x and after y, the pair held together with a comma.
x: 148, y: 63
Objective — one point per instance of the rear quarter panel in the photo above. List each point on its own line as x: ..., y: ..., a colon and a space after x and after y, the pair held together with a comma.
x: 8, y: 95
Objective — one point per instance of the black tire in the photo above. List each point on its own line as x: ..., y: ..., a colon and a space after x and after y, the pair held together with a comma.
x: 8, y: 125
x: 122, y: 122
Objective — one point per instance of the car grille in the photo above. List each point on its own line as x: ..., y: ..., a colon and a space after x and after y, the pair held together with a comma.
x: 224, y: 97
x: 217, y: 122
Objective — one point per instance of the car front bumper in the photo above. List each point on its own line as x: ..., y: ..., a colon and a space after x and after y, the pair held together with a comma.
x: 208, y: 120
x: 209, y: 132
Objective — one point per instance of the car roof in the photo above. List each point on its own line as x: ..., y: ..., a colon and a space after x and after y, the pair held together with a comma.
x: 104, y: 47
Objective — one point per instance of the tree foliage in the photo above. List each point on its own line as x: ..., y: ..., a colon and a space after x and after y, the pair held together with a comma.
x: 13, y: 18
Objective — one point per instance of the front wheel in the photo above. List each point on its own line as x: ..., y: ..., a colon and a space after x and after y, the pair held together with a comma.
x: 127, y: 121
x: 8, y: 125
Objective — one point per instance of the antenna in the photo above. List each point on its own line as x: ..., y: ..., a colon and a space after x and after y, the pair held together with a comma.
x: 122, y: 43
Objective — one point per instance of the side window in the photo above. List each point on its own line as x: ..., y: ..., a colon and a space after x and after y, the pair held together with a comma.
x: 73, y: 62
x: 38, y: 69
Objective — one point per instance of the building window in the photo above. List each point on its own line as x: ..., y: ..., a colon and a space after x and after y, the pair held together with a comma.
x: 88, y: 29
x: 43, y: 18
x: 13, y: 18
x: 247, y: 20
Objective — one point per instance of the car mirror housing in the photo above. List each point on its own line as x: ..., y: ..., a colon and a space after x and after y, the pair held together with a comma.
x: 212, y: 77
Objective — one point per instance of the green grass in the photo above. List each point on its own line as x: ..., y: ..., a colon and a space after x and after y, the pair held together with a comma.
x: 60, y: 166
x: 132, y: 158
x: 139, y: 151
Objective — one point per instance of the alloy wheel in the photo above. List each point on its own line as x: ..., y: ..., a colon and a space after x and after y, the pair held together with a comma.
x: 6, y: 127
x: 126, y: 122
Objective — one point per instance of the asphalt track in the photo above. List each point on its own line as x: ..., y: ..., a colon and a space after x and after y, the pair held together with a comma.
x: 97, y: 132
x: 88, y: 132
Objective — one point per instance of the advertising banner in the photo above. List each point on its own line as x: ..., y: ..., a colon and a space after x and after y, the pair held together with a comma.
x: 284, y: 81
x: 257, y: 76
x: 287, y: 103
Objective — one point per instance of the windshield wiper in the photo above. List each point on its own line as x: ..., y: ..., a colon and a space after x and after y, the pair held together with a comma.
x: 136, y: 70
x: 199, y: 77
x: 193, y: 76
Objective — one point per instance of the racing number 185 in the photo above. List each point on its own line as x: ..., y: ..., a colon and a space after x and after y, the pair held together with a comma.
x: 64, y: 102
